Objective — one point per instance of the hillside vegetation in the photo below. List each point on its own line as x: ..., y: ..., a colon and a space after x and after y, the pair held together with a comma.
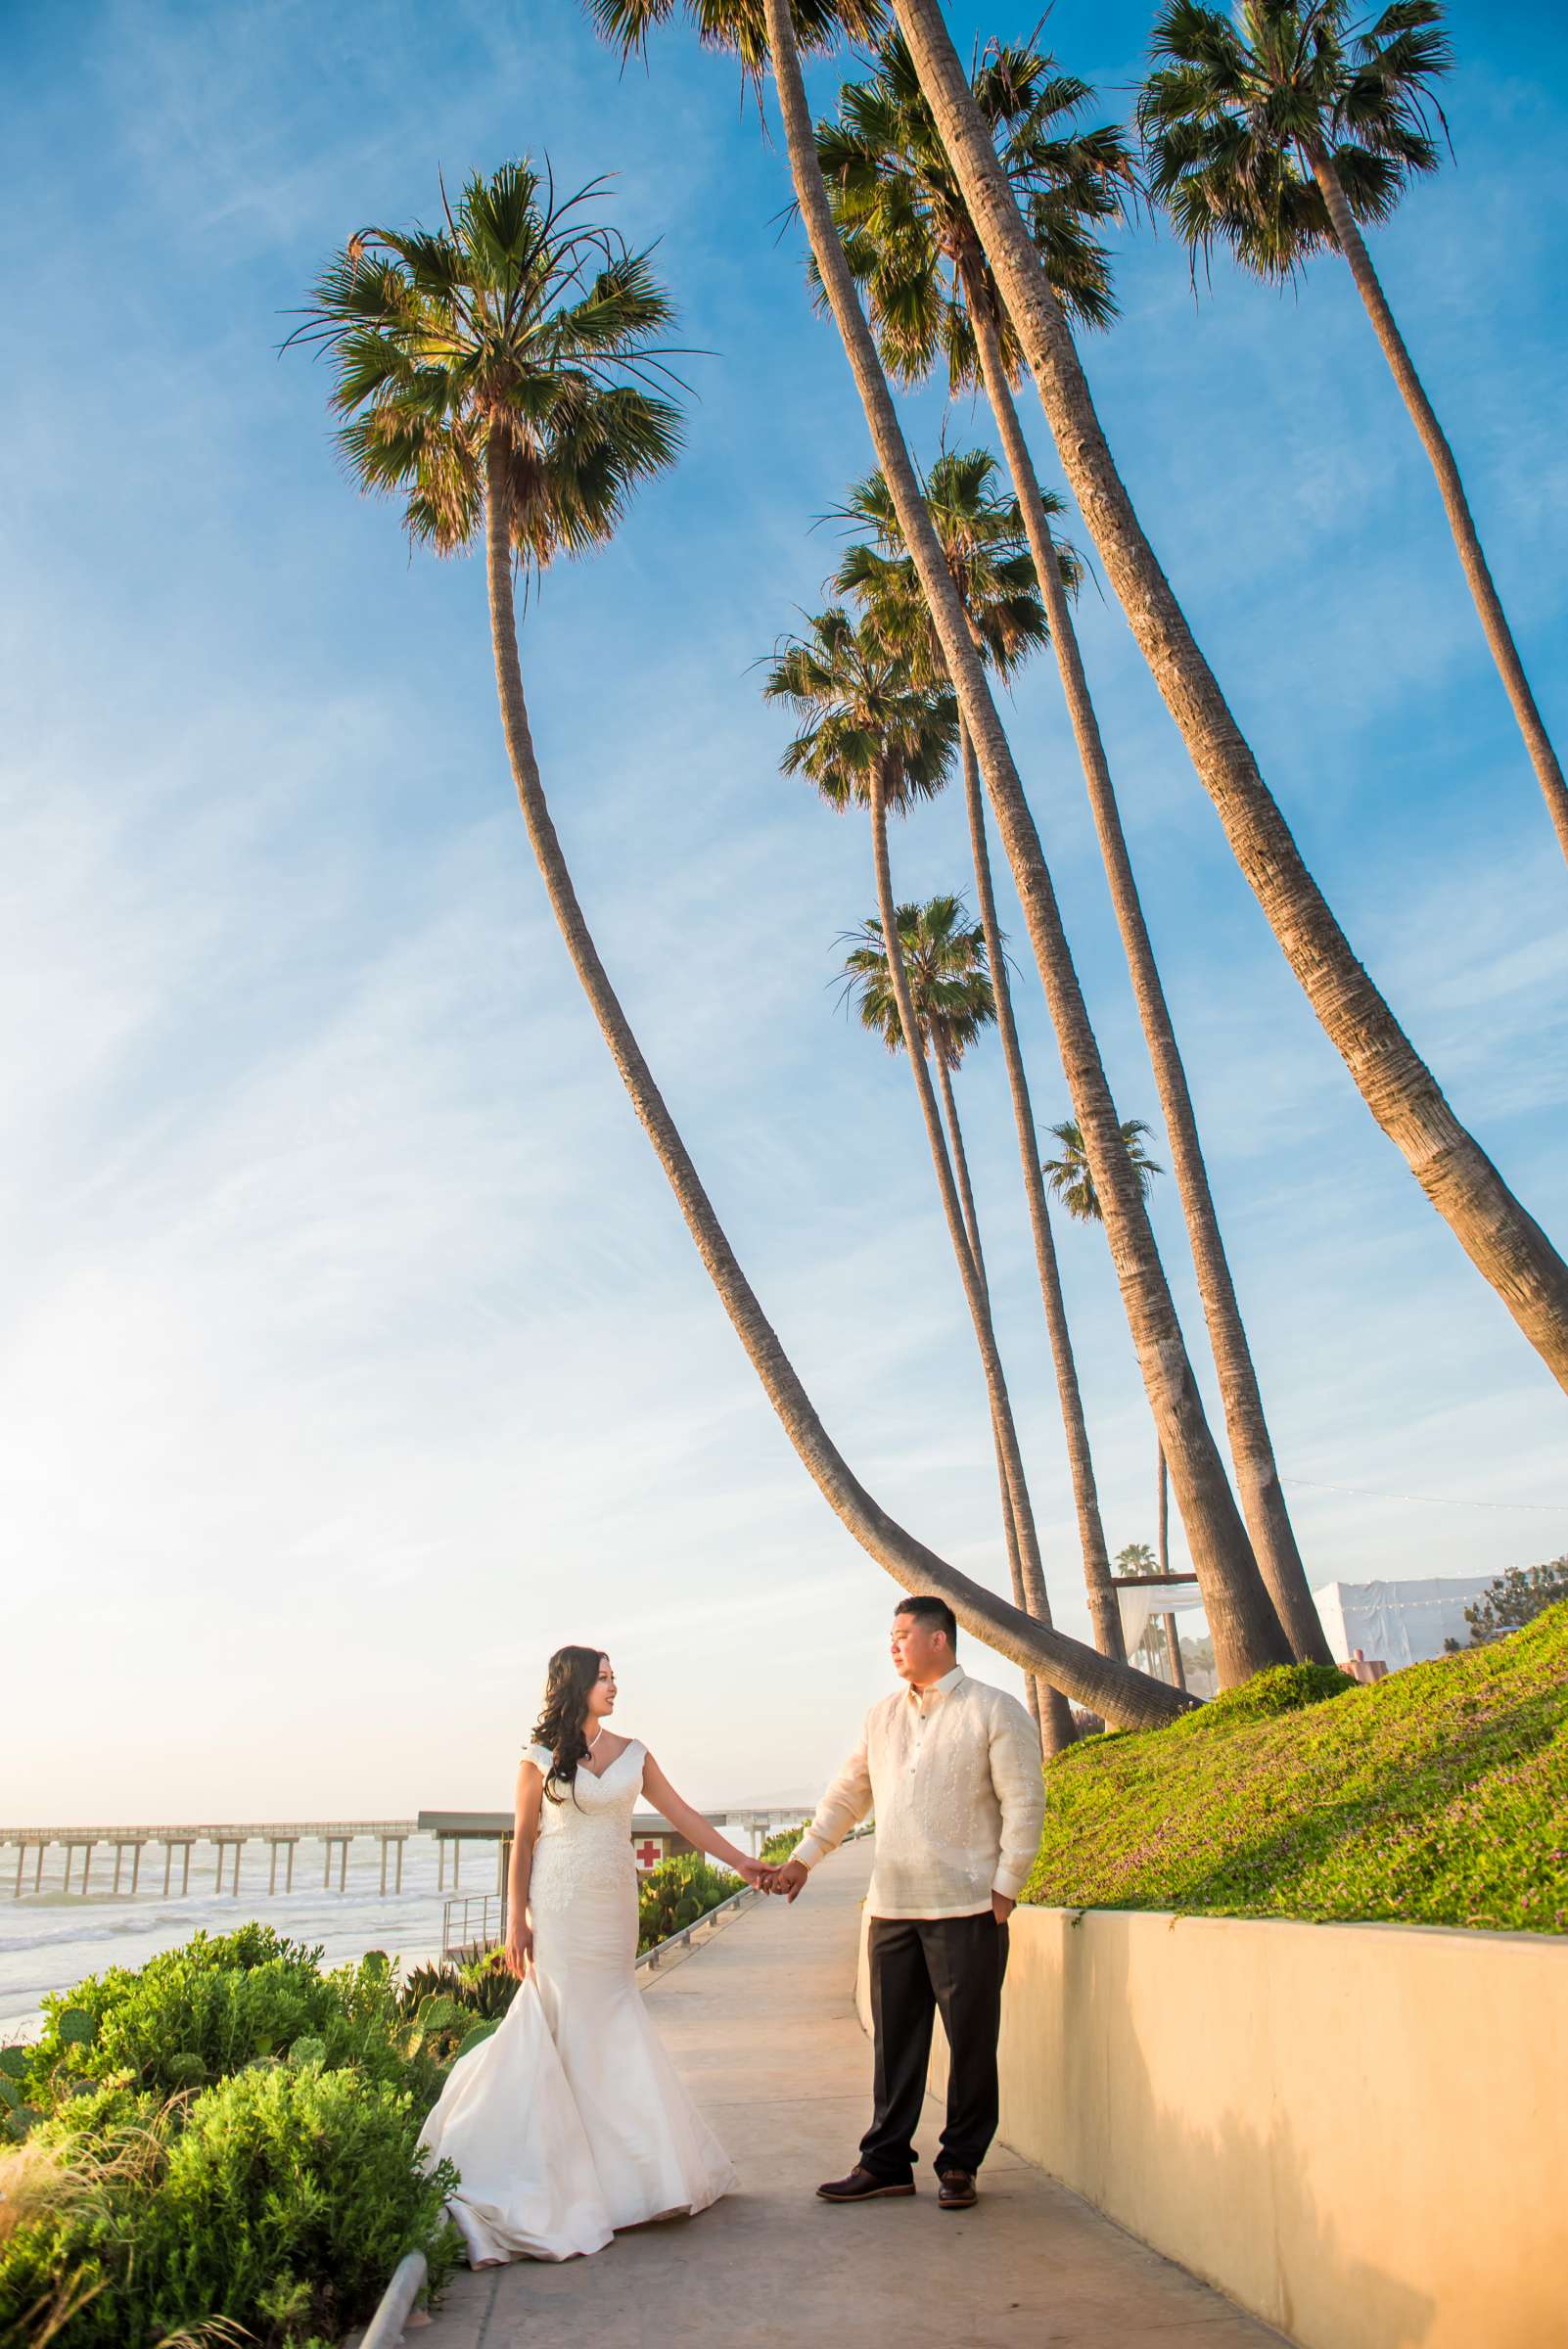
x: 1437, y: 1797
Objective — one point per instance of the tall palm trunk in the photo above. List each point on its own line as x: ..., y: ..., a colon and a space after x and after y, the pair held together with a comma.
x: 1056, y: 1720
x: 1262, y: 1499
x: 1104, y: 1613
x: 1036, y: 1690
x: 1498, y: 635
x: 1162, y: 1537
x: 1247, y: 1632
x: 1120, y: 1694
x: 1497, y: 1233
x: 1039, y: 1693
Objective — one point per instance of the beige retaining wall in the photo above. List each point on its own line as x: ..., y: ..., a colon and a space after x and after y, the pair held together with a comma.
x: 1360, y: 2132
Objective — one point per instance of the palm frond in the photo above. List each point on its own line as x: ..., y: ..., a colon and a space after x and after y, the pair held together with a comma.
x: 523, y: 319
x: 1238, y: 111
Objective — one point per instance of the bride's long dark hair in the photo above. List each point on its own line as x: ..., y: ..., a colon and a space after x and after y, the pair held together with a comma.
x: 562, y: 1723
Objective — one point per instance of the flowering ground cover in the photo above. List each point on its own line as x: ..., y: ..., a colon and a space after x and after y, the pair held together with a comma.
x: 1437, y: 1797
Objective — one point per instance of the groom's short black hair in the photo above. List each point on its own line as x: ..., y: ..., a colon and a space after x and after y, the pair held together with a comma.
x: 934, y: 1612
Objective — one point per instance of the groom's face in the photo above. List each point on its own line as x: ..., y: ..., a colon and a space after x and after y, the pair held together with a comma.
x: 920, y: 1650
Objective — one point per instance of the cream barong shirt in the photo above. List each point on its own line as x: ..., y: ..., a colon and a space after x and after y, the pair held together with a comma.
x: 953, y: 1774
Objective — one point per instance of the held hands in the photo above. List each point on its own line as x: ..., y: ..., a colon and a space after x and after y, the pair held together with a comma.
x: 518, y: 1955
x: 787, y: 1877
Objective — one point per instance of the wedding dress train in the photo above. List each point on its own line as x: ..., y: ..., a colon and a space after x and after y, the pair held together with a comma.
x: 570, y: 2121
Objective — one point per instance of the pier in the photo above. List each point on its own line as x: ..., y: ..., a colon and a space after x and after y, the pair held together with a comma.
x: 223, y: 1848
x: 227, y: 1843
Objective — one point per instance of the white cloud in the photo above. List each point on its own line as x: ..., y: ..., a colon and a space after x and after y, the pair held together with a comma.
x: 352, y: 1351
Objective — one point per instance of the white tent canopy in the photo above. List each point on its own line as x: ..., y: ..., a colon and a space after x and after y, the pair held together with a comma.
x: 1399, y: 1623
x: 1140, y: 1601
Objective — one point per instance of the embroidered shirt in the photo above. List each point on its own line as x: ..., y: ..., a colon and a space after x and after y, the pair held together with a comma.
x: 953, y: 1774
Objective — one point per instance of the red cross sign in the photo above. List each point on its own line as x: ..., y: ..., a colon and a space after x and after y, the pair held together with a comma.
x: 648, y: 1854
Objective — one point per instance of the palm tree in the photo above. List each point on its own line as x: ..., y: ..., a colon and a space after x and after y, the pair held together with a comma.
x: 981, y: 536
x: 1072, y: 1178
x: 1499, y: 1234
x: 913, y: 246
x: 1279, y: 130
x: 494, y: 376
x: 1138, y: 1558
x: 1246, y: 1632
x: 951, y: 989
x: 872, y: 735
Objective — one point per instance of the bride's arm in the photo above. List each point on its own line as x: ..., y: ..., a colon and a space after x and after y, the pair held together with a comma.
x: 692, y: 1825
x: 525, y: 1834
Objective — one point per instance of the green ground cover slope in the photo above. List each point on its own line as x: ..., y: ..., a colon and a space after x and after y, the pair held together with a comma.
x: 1437, y: 1797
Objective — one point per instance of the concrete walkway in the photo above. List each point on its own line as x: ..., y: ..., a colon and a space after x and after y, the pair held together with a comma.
x: 763, y: 2026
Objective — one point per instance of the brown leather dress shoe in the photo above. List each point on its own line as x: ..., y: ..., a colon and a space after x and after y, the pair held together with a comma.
x: 862, y: 2187
x: 956, y: 2190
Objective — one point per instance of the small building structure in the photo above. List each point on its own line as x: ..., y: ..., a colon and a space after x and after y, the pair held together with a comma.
x: 1398, y: 1623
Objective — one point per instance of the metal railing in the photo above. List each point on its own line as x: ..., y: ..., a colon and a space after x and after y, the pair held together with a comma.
x: 459, y: 1937
x: 654, y: 1957
x: 386, y: 2327
x: 474, y: 1922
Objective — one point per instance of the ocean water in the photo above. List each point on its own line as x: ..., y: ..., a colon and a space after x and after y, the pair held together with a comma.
x: 51, y: 1939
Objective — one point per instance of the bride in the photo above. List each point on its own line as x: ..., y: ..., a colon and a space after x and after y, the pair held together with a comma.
x: 569, y: 2121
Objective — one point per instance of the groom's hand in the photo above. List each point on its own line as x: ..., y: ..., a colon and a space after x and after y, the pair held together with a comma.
x: 1001, y: 1908
x: 790, y: 1879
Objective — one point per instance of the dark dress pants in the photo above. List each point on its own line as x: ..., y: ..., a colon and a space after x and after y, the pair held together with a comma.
x: 920, y: 1966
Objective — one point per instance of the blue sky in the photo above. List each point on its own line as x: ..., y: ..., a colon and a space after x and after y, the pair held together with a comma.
x: 351, y: 1351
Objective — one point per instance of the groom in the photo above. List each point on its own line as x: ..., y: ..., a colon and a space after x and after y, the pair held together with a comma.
x: 952, y: 1769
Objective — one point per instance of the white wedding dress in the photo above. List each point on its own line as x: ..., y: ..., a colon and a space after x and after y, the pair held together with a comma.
x: 569, y: 2121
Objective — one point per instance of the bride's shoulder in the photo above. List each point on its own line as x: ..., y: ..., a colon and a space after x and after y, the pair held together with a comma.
x: 540, y: 1755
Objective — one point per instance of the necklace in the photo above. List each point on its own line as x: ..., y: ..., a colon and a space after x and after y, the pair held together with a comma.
x: 591, y: 1742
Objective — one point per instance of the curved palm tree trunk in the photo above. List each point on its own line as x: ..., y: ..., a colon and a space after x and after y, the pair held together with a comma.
x: 1057, y: 1722
x: 1162, y: 1537
x: 1037, y: 1692
x: 1033, y: 1688
x: 1262, y: 1499
x: 1498, y: 635
x: 1121, y: 1695
x: 1054, y: 1716
x: 1247, y: 1632
x: 1497, y: 1231
x: 1104, y: 1613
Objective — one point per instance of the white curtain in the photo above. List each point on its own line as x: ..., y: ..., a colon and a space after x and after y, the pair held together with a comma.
x: 1145, y: 1599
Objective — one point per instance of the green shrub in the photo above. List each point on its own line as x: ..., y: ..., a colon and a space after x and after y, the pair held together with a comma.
x: 481, y: 1987
x: 225, y: 2133
x: 195, y: 2014
x: 676, y: 1893
x: 780, y: 1845
x: 282, y: 2202
x: 1284, y: 1689
x: 1437, y: 1796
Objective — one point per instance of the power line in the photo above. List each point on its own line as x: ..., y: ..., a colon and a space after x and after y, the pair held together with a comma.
x: 1436, y: 1500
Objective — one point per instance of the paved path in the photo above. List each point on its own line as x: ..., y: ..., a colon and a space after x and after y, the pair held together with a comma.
x: 764, y: 2028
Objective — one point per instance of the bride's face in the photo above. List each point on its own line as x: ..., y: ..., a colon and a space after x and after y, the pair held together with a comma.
x: 602, y: 1695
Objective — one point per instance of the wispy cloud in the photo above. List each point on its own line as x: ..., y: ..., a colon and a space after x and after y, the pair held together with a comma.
x: 353, y: 1353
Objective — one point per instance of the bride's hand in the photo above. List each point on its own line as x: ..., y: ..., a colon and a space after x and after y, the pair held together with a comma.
x: 518, y: 1954
x: 758, y: 1877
